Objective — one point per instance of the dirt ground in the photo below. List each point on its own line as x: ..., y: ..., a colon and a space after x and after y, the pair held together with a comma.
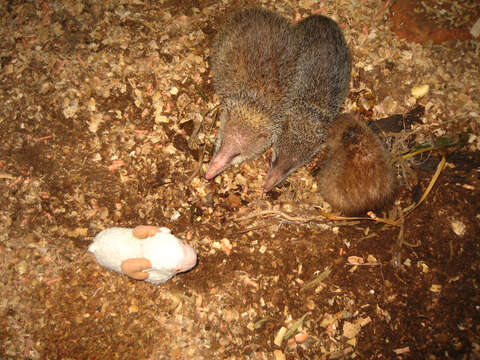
x: 108, y: 118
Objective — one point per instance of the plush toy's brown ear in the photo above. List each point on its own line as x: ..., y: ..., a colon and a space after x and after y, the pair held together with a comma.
x: 134, y: 268
x: 144, y: 231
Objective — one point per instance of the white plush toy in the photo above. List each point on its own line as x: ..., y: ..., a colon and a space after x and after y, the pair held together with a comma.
x: 144, y: 253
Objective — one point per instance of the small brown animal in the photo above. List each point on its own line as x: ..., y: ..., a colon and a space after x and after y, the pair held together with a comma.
x: 252, y: 61
x: 356, y: 174
x: 318, y: 88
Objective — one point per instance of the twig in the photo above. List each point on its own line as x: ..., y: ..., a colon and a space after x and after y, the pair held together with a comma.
x: 294, y: 327
x: 311, y: 284
x: 419, y: 151
x: 313, y: 218
x: 247, y: 230
x: 277, y: 213
x: 396, y: 260
x: 417, y: 244
x: 365, y: 264
x: 440, y: 167
x: 201, y: 93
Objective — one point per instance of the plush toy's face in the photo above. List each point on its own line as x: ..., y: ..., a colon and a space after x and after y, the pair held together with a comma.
x: 188, y: 259
x: 167, y: 252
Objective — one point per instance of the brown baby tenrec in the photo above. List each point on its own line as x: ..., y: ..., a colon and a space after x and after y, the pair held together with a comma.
x: 251, y: 62
x: 318, y: 88
x: 357, y: 173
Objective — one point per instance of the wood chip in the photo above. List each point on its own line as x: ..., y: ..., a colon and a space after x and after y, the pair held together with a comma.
x: 280, y: 335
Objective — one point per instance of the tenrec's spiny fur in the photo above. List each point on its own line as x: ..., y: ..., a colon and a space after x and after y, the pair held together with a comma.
x: 251, y: 62
x: 318, y: 88
x: 356, y: 174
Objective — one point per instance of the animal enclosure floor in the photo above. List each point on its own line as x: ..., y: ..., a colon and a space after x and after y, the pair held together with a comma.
x: 108, y: 118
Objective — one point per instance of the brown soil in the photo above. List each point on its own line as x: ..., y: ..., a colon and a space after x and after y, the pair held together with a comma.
x: 435, y: 20
x: 107, y: 112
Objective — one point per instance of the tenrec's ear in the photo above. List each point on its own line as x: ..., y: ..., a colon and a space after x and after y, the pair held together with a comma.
x: 223, y: 116
x: 331, y: 131
x: 274, y: 158
x: 319, y: 147
x: 262, y: 136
